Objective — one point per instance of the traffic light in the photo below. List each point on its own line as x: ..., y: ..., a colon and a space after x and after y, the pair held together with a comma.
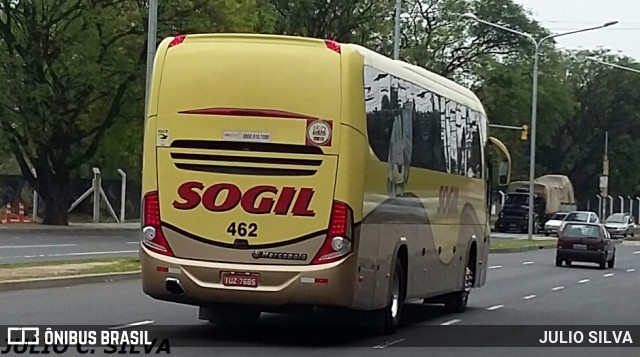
x: 524, y: 134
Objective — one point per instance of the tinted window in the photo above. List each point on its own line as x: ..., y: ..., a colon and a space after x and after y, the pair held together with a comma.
x: 431, y: 131
x: 517, y: 200
x: 616, y: 218
x: 559, y: 216
x: 577, y: 217
x: 581, y: 231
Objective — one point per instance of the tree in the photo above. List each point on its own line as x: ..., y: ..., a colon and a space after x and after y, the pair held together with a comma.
x: 74, y: 68
x: 609, y: 102
x: 122, y: 144
x: 435, y: 36
x: 340, y: 20
x: 506, y: 92
x: 67, y: 66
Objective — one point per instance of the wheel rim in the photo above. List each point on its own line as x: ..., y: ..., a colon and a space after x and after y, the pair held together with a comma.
x: 395, y: 298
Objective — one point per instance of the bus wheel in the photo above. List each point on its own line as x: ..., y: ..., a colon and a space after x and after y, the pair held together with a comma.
x: 230, y: 315
x: 387, y: 320
x: 457, y: 302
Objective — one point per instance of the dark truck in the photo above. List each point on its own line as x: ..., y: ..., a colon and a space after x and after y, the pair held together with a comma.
x: 552, y: 194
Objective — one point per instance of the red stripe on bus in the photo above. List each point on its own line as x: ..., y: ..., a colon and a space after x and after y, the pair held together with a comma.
x: 247, y: 113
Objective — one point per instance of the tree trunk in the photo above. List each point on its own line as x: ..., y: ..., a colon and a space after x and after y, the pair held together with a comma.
x: 56, y: 202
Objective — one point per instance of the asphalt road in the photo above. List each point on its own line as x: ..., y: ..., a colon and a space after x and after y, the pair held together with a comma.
x: 21, y: 247
x: 522, y: 289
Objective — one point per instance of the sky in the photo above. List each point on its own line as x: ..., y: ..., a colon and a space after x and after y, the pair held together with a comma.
x: 567, y: 15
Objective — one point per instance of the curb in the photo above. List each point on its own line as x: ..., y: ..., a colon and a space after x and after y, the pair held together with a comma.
x: 65, y: 281
x: 520, y: 249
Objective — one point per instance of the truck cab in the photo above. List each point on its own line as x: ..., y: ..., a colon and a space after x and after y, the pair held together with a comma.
x: 515, y: 212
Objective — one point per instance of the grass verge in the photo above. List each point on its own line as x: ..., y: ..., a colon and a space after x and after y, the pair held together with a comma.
x: 49, y: 269
x: 521, y: 243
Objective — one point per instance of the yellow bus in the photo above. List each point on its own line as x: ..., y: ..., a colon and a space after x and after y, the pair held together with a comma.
x: 286, y: 172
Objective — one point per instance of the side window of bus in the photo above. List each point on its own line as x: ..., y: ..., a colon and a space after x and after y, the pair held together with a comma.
x: 445, y: 135
x: 379, y: 104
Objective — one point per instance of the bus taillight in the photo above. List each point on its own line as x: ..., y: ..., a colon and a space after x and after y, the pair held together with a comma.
x: 333, y: 45
x: 337, y: 244
x: 152, y: 236
x: 177, y: 40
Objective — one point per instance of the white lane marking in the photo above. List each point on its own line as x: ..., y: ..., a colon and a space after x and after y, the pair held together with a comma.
x: 93, y: 253
x: 583, y: 281
x: 133, y: 324
x: 495, y: 307
x: 636, y: 252
x: 529, y: 297
x: 527, y: 263
x: 608, y: 275
x: 36, y: 246
x: 451, y: 322
x: 495, y: 267
x: 557, y: 288
x: 387, y: 344
x: 630, y: 270
x: 70, y: 254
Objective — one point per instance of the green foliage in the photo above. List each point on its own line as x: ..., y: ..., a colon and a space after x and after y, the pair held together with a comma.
x: 74, y: 76
x: 610, y: 102
x: 340, y: 20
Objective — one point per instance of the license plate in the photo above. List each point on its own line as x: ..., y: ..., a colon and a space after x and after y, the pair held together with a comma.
x: 240, y: 279
x: 580, y: 246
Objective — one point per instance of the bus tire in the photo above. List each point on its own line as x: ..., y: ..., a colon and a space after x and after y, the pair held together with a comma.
x: 457, y: 302
x: 387, y: 320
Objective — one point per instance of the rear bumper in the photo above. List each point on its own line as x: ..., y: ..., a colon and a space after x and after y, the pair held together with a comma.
x: 508, y: 223
x: 279, y: 286
x: 618, y: 231
x: 551, y: 230
x: 581, y: 255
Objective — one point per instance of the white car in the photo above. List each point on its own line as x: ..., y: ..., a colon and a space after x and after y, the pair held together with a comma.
x: 580, y: 216
x: 552, y: 226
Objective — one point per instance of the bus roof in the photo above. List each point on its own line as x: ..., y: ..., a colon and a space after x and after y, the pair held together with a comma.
x: 421, y: 77
x: 406, y: 71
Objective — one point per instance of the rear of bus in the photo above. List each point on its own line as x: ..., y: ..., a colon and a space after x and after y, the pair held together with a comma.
x: 239, y: 174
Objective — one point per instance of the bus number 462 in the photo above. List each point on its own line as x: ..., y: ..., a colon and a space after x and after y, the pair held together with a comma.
x: 242, y: 229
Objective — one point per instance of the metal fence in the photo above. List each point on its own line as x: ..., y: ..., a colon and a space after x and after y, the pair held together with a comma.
x: 604, y: 207
x: 14, y: 190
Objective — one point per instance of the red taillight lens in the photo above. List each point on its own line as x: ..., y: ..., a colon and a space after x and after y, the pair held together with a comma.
x: 177, y: 40
x: 152, y: 209
x: 333, y: 45
x: 337, y: 244
x: 339, y: 217
x: 152, y: 236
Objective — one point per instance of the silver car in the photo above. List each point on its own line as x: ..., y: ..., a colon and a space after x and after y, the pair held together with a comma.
x: 620, y: 224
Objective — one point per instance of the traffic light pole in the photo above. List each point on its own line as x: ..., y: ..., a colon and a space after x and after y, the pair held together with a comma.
x: 524, y: 129
x: 506, y: 127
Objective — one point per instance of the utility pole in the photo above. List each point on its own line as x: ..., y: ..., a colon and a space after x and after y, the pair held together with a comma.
x: 152, y: 30
x: 396, y: 28
x: 604, y: 178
